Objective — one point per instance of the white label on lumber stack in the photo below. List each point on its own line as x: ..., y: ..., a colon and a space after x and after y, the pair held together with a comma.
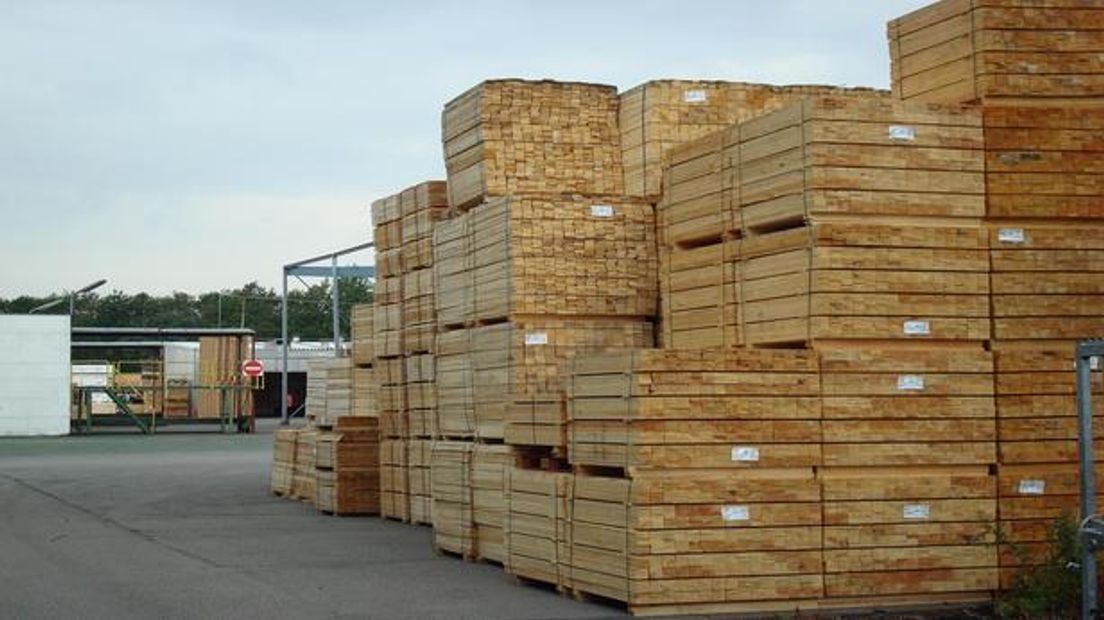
x: 601, y: 210
x: 1032, y: 487
x: 902, y: 133
x: 917, y: 328
x: 745, y: 453
x: 536, y: 338
x: 735, y: 513
x: 913, y: 383
x: 916, y: 511
x: 1011, y: 235
x: 695, y: 96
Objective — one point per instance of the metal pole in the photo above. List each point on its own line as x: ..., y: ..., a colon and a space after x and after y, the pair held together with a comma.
x: 1088, y: 482
x: 336, y: 313
x: 284, y: 352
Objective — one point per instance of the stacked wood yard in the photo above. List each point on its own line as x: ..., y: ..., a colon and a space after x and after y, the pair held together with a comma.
x: 658, y: 115
x: 867, y: 305
x: 999, y: 51
x: 347, y: 460
x: 511, y: 137
x: 219, y: 381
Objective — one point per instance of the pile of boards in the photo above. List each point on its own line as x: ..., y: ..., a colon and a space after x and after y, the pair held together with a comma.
x: 864, y: 304
x: 334, y: 463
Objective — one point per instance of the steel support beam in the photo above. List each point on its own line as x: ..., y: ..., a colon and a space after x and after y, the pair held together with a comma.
x: 1087, y: 351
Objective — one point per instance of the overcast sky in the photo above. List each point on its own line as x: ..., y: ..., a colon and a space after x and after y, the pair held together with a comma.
x: 198, y: 145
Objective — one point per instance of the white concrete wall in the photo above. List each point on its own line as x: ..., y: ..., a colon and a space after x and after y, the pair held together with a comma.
x: 34, y: 374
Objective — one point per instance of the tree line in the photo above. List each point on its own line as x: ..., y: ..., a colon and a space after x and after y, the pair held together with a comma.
x: 251, y: 305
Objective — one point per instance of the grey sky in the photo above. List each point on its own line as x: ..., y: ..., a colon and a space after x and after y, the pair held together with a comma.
x: 198, y: 145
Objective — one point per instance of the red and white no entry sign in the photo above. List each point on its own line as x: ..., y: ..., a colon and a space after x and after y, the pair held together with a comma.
x: 252, y: 368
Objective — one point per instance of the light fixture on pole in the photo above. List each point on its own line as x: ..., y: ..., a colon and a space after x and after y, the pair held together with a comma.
x: 71, y: 297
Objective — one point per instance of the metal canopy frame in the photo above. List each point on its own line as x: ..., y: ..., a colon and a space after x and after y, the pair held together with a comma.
x: 1092, y: 527
x: 305, y: 269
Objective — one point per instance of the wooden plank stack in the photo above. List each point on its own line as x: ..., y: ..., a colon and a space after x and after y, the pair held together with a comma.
x: 537, y: 527
x: 316, y: 389
x: 821, y: 222
x: 660, y: 114
x: 220, y: 360
x: 667, y: 409
x: 361, y: 330
x: 699, y: 541
x: 489, y: 464
x: 507, y: 137
x: 450, y: 472
x: 304, y: 479
x: 347, y: 462
x: 419, y: 480
x: 283, y: 461
x: 999, y: 51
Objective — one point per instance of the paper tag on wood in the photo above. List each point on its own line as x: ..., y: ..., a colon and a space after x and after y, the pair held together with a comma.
x: 917, y: 328
x: 695, y: 96
x: 601, y: 210
x: 536, y: 338
x: 1032, y: 487
x: 745, y: 454
x: 735, y: 513
x: 1011, y: 235
x: 911, y: 383
x: 916, y: 511
x: 902, y: 133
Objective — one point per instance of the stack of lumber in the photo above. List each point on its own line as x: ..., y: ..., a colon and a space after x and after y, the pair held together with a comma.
x: 1038, y: 445
x: 364, y: 392
x: 563, y: 255
x: 518, y: 368
x: 528, y: 281
x: 506, y: 137
x: 908, y: 406
x: 316, y: 389
x: 1044, y: 162
x: 858, y: 219
x: 900, y: 536
x: 699, y: 541
x: 999, y: 51
x: 669, y: 409
x: 537, y: 525
x: 284, y: 449
x: 419, y: 480
x: 329, y: 390
x: 394, y: 480
x: 489, y: 464
x: 389, y: 366
x: 421, y: 395
x: 423, y: 206
x: 660, y: 114
x: 361, y: 328
x: 450, y: 474
x: 219, y: 372
x: 347, y: 460
x: 305, y: 478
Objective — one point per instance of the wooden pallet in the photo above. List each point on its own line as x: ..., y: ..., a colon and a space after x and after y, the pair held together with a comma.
x: 284, y: 450
x: 660, y: 114
x: 695, y: 409
x: 1011, y: 51
x: 506, y: 137
x: 304, y: 479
